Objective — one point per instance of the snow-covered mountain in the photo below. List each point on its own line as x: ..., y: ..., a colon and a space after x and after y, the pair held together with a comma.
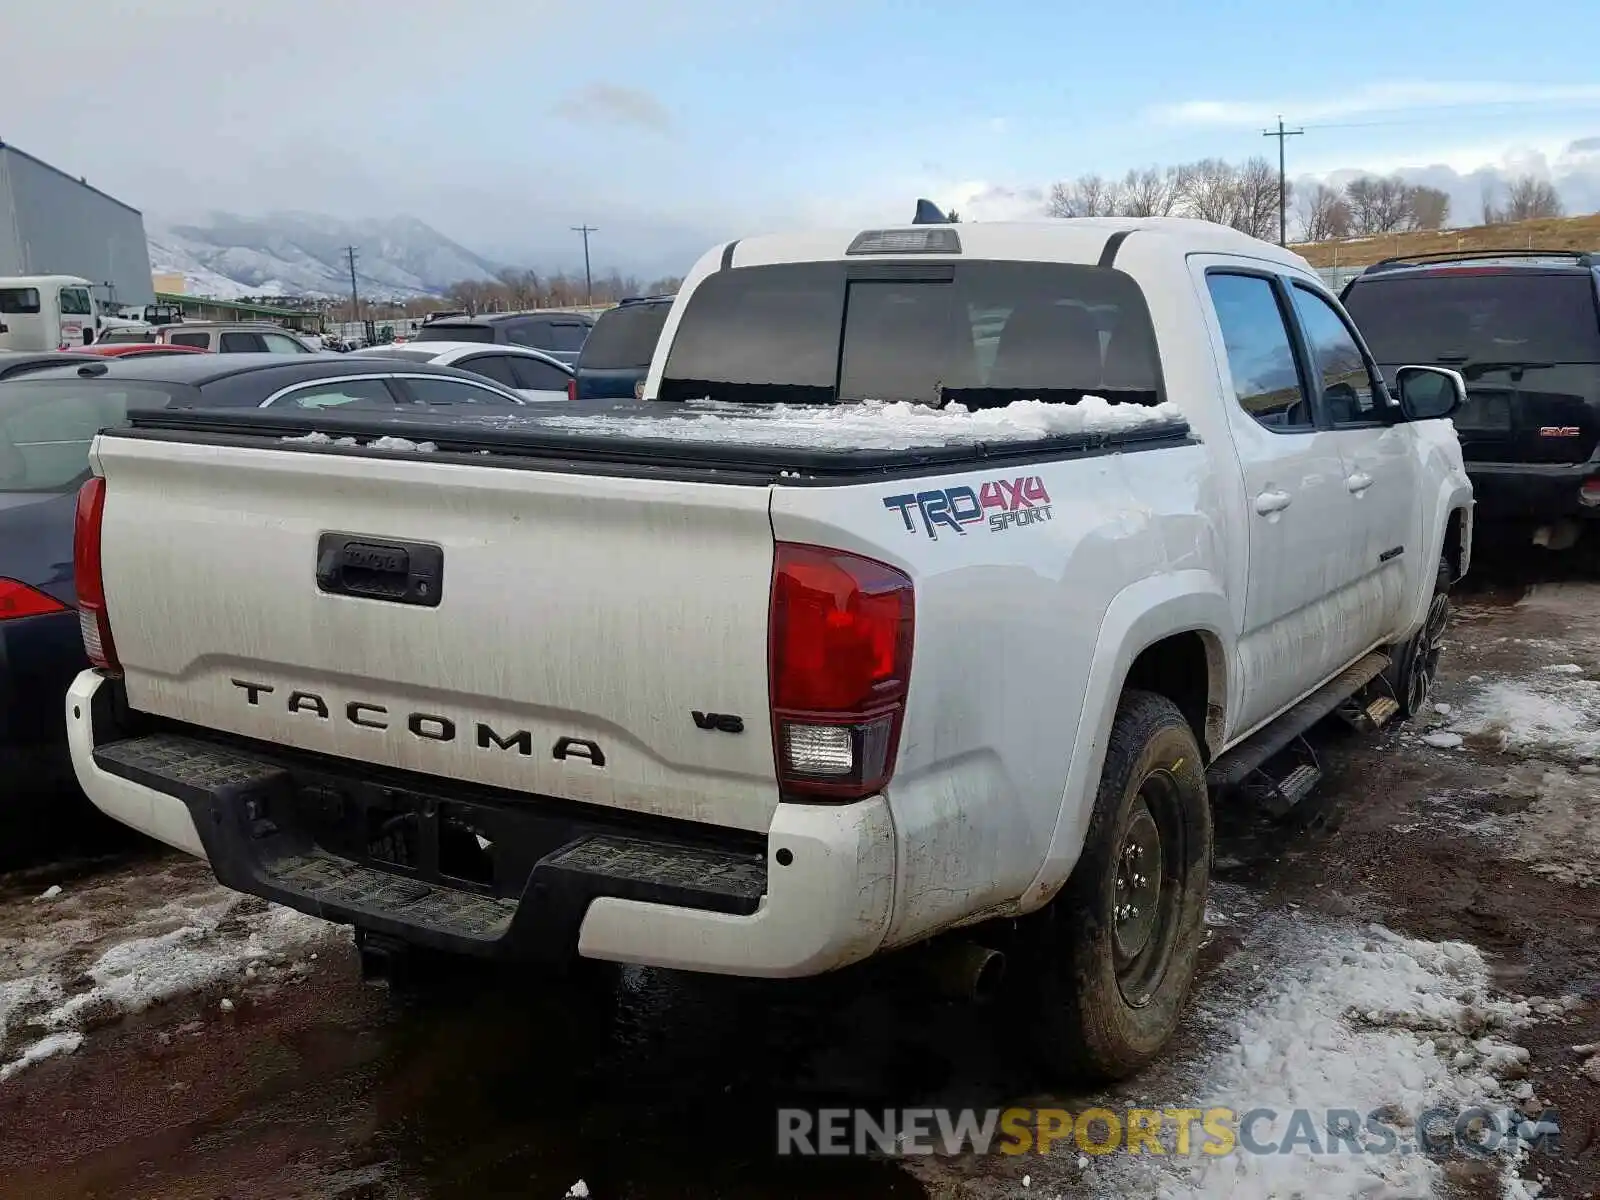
x: 303, y: 254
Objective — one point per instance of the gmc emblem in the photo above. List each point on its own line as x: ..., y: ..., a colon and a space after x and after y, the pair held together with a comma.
x: 1560, y: 431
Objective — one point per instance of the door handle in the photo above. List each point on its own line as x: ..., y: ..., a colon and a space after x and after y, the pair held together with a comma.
x: 1268, y: 503
x: 1359, y: 482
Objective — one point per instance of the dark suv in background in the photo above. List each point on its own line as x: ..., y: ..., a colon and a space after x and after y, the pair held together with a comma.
x: 1523, y: 328
x: 559, y: 334
x: 616, y: 358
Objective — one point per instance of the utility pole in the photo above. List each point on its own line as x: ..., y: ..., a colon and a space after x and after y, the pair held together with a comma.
x: 588, y: 279
x: 355, y: 299
x: 1283, y: 179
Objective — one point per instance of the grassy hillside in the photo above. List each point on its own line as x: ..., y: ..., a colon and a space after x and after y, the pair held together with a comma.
x: 1559, y: 233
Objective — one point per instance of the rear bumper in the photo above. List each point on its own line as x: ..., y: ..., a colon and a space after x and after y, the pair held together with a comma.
x: 494, y: 875
x: 1532, y: 491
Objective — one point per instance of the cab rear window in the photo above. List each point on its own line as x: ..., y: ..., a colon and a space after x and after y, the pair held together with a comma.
x: 983, y: 334
x: 624, y: 338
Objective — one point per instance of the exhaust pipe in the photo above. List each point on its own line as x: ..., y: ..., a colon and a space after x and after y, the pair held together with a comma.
x: 963, y: 970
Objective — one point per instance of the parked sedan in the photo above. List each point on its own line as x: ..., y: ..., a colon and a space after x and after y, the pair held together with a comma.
x: 532, y: 374
x: 49, y: 417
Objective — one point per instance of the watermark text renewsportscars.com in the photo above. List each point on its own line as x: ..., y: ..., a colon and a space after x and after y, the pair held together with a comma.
x: 1212, y: 1132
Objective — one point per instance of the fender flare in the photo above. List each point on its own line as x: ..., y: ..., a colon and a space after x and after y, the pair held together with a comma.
x: 1453, y: 498
x: 1140, y: 615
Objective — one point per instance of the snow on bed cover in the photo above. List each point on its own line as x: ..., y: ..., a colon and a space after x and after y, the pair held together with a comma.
x: 1353, y: 1019
x: 869, y: 425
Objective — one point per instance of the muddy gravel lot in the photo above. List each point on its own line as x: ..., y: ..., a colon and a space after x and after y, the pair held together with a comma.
x: 1423, y: 934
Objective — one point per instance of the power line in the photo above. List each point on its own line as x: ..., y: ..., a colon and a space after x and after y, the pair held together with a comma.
x: 588, y: 279
x: 1282, y: 135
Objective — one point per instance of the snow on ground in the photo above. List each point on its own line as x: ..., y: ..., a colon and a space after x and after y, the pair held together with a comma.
x: 131, y: 940
x: 871, y: 424
x: 1343, y: 1019
x: 1554, y: 714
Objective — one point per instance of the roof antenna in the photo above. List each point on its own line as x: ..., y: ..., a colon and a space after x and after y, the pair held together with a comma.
x: 928, y: 214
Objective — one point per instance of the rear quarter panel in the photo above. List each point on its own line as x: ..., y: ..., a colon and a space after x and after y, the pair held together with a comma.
x: 1008, y: 625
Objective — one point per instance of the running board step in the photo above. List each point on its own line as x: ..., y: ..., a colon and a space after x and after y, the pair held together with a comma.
x: 1367, y: 713
x: 1245, y: 759
x: 1278, y: 796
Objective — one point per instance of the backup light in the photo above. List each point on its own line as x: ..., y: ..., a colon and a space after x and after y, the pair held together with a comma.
x: 840, y: 637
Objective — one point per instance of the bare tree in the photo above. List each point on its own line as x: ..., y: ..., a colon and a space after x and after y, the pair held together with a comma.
x: 1378, y: 205
x: 1324, y: 214
x: 1256, y: 203
x: 1529, y: 198
x: 1430, y: 207
x: 1491, y: 213
x: 1150, y: 193
x: 1209, y: 190
x: 1089, y: 196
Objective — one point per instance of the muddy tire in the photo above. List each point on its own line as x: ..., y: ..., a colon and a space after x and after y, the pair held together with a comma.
x: 1416, y: 661
x: 1110, y: 960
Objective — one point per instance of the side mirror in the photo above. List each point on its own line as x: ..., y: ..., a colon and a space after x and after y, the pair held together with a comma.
x: 1429, y: 393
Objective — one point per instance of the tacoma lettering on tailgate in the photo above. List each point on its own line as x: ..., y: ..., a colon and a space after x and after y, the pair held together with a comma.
x: 1001, y: 504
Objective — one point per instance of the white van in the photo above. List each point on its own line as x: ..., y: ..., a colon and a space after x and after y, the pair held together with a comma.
x: 47, y: 312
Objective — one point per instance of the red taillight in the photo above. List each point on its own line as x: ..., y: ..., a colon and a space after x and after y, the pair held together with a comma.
x: 20, y: 600
x: 572, y: 389
x: 92, y: 618
x: 1589, y: 493
x: 840, y: 639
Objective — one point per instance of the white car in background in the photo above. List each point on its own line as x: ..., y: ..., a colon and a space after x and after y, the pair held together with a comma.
x: 532, y: 374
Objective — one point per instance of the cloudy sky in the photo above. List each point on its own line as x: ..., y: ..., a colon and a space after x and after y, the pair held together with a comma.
x: 675, y: 123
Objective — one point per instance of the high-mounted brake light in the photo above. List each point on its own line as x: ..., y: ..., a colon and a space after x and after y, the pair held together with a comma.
x: 19, y: 600
x: 92, y: 618
x: 840, y: 637
x: 925, y: 239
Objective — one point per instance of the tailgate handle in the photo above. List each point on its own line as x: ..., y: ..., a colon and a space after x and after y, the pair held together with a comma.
x: 349, y: 564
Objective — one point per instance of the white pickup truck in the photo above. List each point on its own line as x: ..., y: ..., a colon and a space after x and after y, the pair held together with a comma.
x: 943, y: 580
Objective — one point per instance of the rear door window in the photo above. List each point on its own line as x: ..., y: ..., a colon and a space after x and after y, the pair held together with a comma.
x: 1261, y: 360
x: 340, y: 394
x: 243, y: 343
x: 624, y: 338
x: 440, y: 389
x: 1513, y: 316
x: 282, y: 343
x: 491, y: 366
x: 538, y: 376
x: 200, y: 341
x: 983, y: 334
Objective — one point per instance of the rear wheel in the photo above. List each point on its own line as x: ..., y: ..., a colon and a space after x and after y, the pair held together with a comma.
x: 1109, y: 962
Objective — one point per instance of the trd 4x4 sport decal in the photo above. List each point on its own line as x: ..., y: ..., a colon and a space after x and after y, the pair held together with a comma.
x: 1001, y: 503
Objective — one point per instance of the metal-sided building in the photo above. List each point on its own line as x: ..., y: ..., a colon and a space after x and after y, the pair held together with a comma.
x: 53, y: 224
